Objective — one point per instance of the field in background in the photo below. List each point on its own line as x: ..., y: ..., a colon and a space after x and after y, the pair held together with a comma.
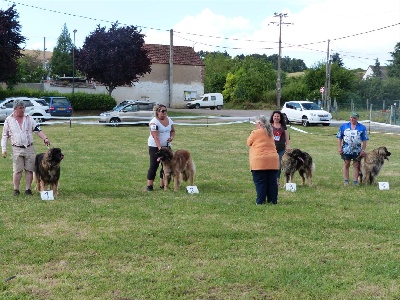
x: 105, y: 237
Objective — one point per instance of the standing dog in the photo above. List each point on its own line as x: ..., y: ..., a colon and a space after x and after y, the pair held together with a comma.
x: 176, y: 164
x: 296, y: 160
x: 371, y: 164
x: 47, y: 169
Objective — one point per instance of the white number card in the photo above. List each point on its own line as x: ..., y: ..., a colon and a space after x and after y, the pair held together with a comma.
x: 192, y: 189
x: 383, y: 185
x: 47, y: 195
x: 291, y: 187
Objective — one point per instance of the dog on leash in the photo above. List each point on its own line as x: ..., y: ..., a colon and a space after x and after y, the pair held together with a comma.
x: 176, y: 165
x: 47, y: 169
x: 371, y: 164
x: 296, y: 160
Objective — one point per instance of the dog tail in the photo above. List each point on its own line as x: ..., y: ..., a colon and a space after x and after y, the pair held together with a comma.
x: 312, y: 168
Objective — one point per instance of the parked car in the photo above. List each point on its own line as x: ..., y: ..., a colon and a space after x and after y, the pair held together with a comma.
x: 35, y: 107
x: 132, y: 111
x: 59, y: 106
x: 210, y: 100
x: 306, y: 113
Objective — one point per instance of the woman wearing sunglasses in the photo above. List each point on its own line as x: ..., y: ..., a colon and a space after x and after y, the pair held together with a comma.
x: 162, y: 133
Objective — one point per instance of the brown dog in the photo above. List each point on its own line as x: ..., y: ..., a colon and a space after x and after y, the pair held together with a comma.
x: 371, y: 164
x: 296, y: 160
x: 47, y: 169
x: 176, y: 165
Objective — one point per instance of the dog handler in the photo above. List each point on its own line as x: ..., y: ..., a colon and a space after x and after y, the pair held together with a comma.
x: 19, y: 126
x: 162, y: 132
x: 352, y: 141
x: 264, y: 161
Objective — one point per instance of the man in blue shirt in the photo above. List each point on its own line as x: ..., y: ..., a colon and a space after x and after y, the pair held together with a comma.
x: 352, y: 140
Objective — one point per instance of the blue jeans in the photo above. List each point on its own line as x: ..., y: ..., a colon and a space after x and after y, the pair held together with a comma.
x: 280, y: 153
x: 266, y: 186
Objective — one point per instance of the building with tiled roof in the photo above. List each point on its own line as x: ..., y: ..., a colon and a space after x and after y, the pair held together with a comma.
x: 187, y: 78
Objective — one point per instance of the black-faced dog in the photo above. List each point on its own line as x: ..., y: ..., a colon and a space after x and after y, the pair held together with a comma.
x: 371, y: 164
x: 176, y: 165
x: 47, y: 169
x: 296, y: 160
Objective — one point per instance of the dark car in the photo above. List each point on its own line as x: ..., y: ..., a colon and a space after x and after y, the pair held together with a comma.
x: 59, y: 106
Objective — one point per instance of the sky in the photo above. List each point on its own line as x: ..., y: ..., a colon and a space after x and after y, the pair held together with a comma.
x: 361, y: 31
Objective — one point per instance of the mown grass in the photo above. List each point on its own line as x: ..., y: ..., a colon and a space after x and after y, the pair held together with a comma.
x: 105, y: 237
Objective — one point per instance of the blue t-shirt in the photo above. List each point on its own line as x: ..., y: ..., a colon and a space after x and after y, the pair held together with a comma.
x: 352, y: 139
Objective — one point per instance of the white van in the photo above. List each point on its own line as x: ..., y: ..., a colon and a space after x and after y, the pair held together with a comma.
x: 210, y: 100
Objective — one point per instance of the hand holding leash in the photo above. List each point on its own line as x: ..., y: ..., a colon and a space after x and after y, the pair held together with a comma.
x: 46, y: 142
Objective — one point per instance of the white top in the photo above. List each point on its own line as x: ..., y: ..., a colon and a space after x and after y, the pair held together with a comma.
x: 20, y: 136
x: 164, y: 132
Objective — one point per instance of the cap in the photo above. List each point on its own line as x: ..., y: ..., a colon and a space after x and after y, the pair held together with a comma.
x: 18, y: 102
x: 354, y: 115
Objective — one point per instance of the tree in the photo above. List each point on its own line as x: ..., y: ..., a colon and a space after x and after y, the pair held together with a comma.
x: 250, y: 81
x: 61, y: 61
x: 114, y: 58
x: 30, y: 68
x: 394, y: 67
x: 217, y: 66
x: 10, y: 39
x: 336, y: 59
x: 377, y: 69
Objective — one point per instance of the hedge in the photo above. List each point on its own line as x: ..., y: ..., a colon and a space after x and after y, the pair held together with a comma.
x: 79, y: 100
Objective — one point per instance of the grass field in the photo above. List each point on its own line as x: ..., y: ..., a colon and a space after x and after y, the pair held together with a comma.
x: 105, y: 237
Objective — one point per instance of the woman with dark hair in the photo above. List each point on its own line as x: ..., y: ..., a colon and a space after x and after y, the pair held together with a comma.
x: 281, y: 137
x: 162, y: 133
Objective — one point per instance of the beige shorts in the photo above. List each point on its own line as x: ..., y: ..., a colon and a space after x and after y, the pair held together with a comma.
x: 23, y: 159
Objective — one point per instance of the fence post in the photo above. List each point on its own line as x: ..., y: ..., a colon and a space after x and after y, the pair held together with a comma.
x: 370, y: 119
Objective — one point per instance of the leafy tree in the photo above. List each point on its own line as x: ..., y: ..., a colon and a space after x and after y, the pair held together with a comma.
x: 10, y: 39
x: 30, y: 68
x: 289, y: 65
x: 336, y: 59
x: 391, y: 88
x: 377, y: 69
x: 294, y: 88
x: 204, y: 54
x: 61, y: 61
x: 217, y: 66
x: 394, y: 67
x: 115, y: 57
x: 250, y: 81
x: 341, y: 80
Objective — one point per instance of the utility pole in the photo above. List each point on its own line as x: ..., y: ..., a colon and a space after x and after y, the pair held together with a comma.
x: 171, y: 67
x: 44, y: 53
x: 326, y: 101
x: 278, y: 81
x: 73, y: 65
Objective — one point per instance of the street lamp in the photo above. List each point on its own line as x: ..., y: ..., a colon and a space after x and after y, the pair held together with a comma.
x: 73, y: 65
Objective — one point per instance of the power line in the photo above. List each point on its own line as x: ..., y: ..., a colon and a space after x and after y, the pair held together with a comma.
x: 216, y: 37
x: 204, y: 35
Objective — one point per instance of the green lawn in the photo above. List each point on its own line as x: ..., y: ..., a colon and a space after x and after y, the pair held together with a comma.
x: 105, y: 237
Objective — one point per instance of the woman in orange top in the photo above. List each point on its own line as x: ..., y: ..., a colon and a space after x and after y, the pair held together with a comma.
x: 264, y: 161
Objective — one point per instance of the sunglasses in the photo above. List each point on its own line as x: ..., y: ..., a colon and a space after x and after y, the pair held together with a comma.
x: 163, y: 110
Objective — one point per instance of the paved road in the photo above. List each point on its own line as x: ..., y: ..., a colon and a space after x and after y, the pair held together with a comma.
x: 237, y: 114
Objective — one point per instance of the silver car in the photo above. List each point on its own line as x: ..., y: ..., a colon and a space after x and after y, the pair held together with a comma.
x: 36, y: 107
x: 133, y: 112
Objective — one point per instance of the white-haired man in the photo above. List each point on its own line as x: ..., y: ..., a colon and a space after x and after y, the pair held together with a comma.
x: 19, y: 127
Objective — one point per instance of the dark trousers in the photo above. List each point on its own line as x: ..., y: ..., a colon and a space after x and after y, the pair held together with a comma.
x: 266, y: 186
x: 152, y: 171
x: 280, y: 153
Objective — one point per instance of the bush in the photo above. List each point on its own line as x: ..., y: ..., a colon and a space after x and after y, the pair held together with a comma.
x: 79, y: 101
